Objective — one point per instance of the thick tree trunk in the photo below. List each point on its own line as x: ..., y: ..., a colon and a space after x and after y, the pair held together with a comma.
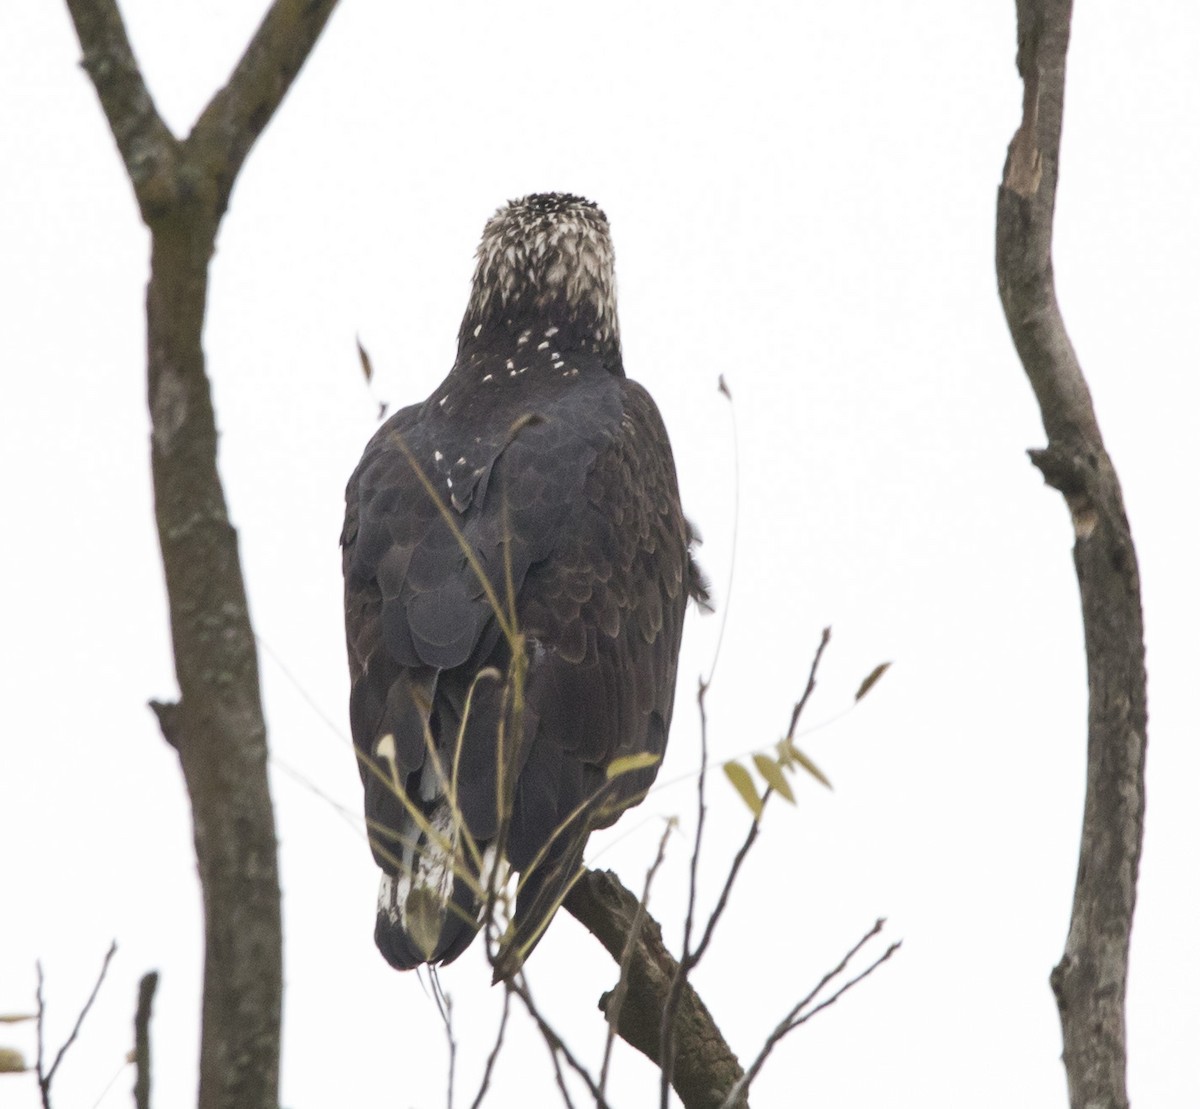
x: 217, y: 726
x: 1089, y: 982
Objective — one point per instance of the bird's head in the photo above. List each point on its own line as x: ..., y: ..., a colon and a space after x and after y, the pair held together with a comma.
x: 546, y: 259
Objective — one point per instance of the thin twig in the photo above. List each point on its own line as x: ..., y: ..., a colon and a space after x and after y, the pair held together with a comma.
x: 723, y: 389
x: 828, y: 977
x: 752, y: 834
x: 559, y: 1078
x: 727, y: 888
x: 666, y: 1039
x: 686, y: 962
x: 445, y: 1008
x: 330, y: 724
x: 110, y: 1083
x: 518, y: 985
x: 796, y: 1015
x: 494, y: 1054
x: 799, y: 1020
x: 46, y: 1077
x: 690, y: 958
x: 812, y: 683
x: 41, y: 1016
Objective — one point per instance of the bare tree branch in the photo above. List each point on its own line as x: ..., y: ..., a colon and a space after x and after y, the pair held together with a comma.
x: 182, y: 191
x: 147, y: 147
x: 811, y: 684
x: 667, y: 1035
x: 797, y: 1016
x: 726, y: 889
x: 141, y: 1038
x: 1089, y: 982
x: 445, y: 1008
x: 45, y: 1077
x: 518, y: 985
x: 237, y: 115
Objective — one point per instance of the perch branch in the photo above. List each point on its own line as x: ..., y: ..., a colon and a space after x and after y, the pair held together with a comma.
x: 705, y: 1066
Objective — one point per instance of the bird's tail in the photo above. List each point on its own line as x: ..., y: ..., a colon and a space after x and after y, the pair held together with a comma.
x: 429, y: 910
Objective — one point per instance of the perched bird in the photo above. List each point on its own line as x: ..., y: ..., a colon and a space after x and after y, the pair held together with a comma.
x: 516, y: 567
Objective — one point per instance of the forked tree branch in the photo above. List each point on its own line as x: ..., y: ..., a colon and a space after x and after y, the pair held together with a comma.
x: 228, y: 128
x: 1089, y: 982
x: 46, y: 1076
x: 808, y: 1006
x: 182, y: 189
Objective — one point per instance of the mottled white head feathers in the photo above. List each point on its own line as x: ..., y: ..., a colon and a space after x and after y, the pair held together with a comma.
x: 547, y: 256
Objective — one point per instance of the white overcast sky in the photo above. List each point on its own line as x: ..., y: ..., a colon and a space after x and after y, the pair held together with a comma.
x: 802, y: 199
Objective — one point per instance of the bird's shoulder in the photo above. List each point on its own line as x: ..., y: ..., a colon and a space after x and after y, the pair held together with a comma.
x: 549, y: 423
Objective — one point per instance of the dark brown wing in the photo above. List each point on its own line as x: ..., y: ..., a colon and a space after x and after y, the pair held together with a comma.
x: 606, y: 616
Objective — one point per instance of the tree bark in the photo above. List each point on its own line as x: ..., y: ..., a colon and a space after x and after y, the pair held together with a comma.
x: 1089, y: 981
x: 706, y: 1068
x: 182, y: 189
x: 141, y: 1040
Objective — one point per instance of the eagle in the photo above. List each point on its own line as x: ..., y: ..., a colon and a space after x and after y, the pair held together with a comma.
x: 517, y: 566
